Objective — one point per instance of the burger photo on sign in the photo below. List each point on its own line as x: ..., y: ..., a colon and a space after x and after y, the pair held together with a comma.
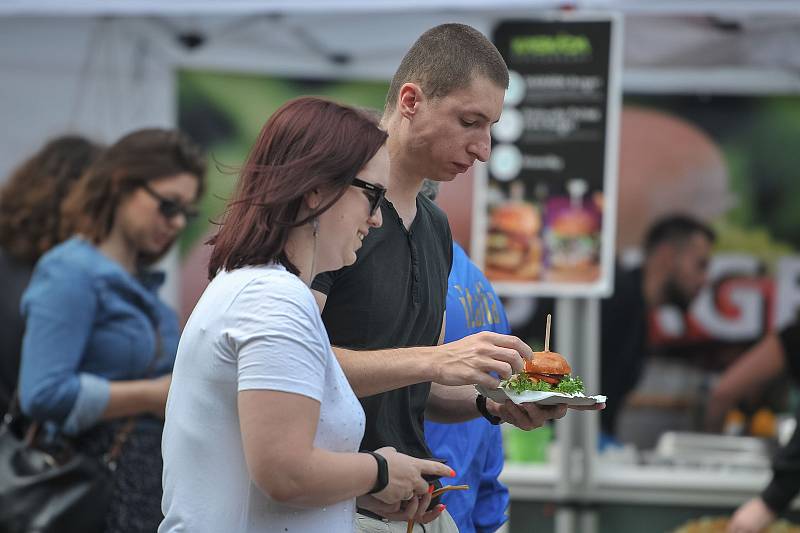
x: 513, y: 244
x: 572, y: 237
x: 547, y: 380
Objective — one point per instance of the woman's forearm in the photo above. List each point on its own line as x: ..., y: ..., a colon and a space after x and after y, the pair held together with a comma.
x: 135, y: 397
x: 317, y: 479
x: 278, y: 431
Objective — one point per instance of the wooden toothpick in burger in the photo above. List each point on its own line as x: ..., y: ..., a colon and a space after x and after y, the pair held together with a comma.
x: 546, y: 372
x: 547, y: 335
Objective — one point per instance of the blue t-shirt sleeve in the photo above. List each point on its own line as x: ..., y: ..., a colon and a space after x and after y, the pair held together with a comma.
x: 59, y: 307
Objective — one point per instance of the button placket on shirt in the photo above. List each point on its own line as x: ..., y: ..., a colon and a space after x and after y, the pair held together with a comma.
x: 415, y: 275
x: 415, y: 272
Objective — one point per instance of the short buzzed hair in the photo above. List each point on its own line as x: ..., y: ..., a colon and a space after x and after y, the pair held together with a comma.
x: 447, y: 58
x: 676, y: 229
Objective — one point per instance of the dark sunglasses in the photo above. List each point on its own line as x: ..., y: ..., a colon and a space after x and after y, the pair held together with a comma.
x: 170, y: 208
x: 374, y: 193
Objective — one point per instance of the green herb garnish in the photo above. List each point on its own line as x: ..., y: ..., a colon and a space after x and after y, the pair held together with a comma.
x: 522, y: 382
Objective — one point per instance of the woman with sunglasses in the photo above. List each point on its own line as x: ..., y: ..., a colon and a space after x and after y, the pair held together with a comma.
x: 262, y: 428
x: 99, y: 343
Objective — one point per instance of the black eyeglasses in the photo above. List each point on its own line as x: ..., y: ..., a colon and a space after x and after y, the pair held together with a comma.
x: 171, y: 208
x: 374, y: 193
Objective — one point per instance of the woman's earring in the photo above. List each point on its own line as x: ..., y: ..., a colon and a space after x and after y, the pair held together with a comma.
x: 315, y: 225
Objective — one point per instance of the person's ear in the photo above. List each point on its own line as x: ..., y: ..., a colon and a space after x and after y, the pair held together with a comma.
x: 409, y: 99
x: 313, y: 199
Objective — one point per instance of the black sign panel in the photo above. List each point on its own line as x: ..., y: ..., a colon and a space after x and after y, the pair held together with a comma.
x: 546, y: 198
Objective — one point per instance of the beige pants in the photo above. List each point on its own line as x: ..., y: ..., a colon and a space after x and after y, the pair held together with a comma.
x: 443, y: 524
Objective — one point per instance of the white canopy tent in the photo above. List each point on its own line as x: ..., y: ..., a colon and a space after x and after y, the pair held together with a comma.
x: 103, y: 68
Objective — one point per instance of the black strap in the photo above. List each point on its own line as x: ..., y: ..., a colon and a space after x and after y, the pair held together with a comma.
x: 480, y: 403
x: 370, y: 514
x: 383, y: 473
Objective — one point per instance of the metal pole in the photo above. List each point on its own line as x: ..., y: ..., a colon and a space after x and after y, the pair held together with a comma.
x: 589, y: 421
x: 577, y: 329
x: 566, y: 328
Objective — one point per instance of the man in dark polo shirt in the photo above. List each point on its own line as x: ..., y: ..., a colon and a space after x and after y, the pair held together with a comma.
x: 677, y: 250
x: 385, y: 313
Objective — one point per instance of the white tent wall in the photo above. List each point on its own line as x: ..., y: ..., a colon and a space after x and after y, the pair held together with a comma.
x: 109, y: 67
x: 103, y: 76
x: 99, y: 77
x: 104, y: 68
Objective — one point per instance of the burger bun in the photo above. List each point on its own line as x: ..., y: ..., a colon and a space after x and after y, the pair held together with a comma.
x: 548, y: 363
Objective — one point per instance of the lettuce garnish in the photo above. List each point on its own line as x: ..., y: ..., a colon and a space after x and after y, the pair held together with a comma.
x: 522, y: 382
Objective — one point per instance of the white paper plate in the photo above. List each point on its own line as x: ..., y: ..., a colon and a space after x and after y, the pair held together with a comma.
x: 542, y: 398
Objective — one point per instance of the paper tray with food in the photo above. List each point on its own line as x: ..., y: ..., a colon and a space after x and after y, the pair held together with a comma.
x: 500, y: 395
x: 546, y: 380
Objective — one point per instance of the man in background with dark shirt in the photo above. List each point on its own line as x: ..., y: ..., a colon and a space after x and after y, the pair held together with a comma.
x: 442, y: 102
x: 677, y: 250
x: 776, y: 354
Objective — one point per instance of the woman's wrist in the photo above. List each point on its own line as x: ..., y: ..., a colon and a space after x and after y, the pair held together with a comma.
x: 382, y: 473
x: 154, y: 400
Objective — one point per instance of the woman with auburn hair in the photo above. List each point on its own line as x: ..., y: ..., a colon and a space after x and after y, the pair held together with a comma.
x: 99, y: 344
x: 262, y: 427
x: 30, y: 224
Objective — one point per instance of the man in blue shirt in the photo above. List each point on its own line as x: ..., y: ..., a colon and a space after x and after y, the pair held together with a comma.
x: 473, y: 449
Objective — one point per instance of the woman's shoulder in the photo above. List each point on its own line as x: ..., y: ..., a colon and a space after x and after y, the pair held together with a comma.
x: 265, y: 281
x: 73, y: 258
x: 62, y: 277
x: 74, y: 252
x: 254, y: 300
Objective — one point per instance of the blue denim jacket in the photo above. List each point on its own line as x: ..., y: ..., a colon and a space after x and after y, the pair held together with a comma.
x: 88, y: 322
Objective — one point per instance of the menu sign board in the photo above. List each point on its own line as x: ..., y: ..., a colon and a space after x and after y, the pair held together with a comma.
x: 545, y: 206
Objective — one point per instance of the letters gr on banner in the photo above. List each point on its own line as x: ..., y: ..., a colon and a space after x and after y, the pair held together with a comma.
x: 740, y: 304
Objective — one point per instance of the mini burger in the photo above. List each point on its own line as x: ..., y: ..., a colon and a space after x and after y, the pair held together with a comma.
x: 546, y: 372
x: 573, y: 245
x: 514, y: 248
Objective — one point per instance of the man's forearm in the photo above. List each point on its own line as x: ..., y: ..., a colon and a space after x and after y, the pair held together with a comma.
x: 450, y: 405
x: 755, y: 367
x: 375, y: 371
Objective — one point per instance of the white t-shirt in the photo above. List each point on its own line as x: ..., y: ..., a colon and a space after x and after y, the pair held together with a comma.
x: 253, y: 328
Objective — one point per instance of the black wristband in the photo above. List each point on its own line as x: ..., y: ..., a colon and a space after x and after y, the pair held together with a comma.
x: 480, y: 403
x: 383, y: 473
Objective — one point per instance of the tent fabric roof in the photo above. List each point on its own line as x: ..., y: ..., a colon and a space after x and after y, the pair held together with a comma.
x: 203, y: 7
x: 103, y: 67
